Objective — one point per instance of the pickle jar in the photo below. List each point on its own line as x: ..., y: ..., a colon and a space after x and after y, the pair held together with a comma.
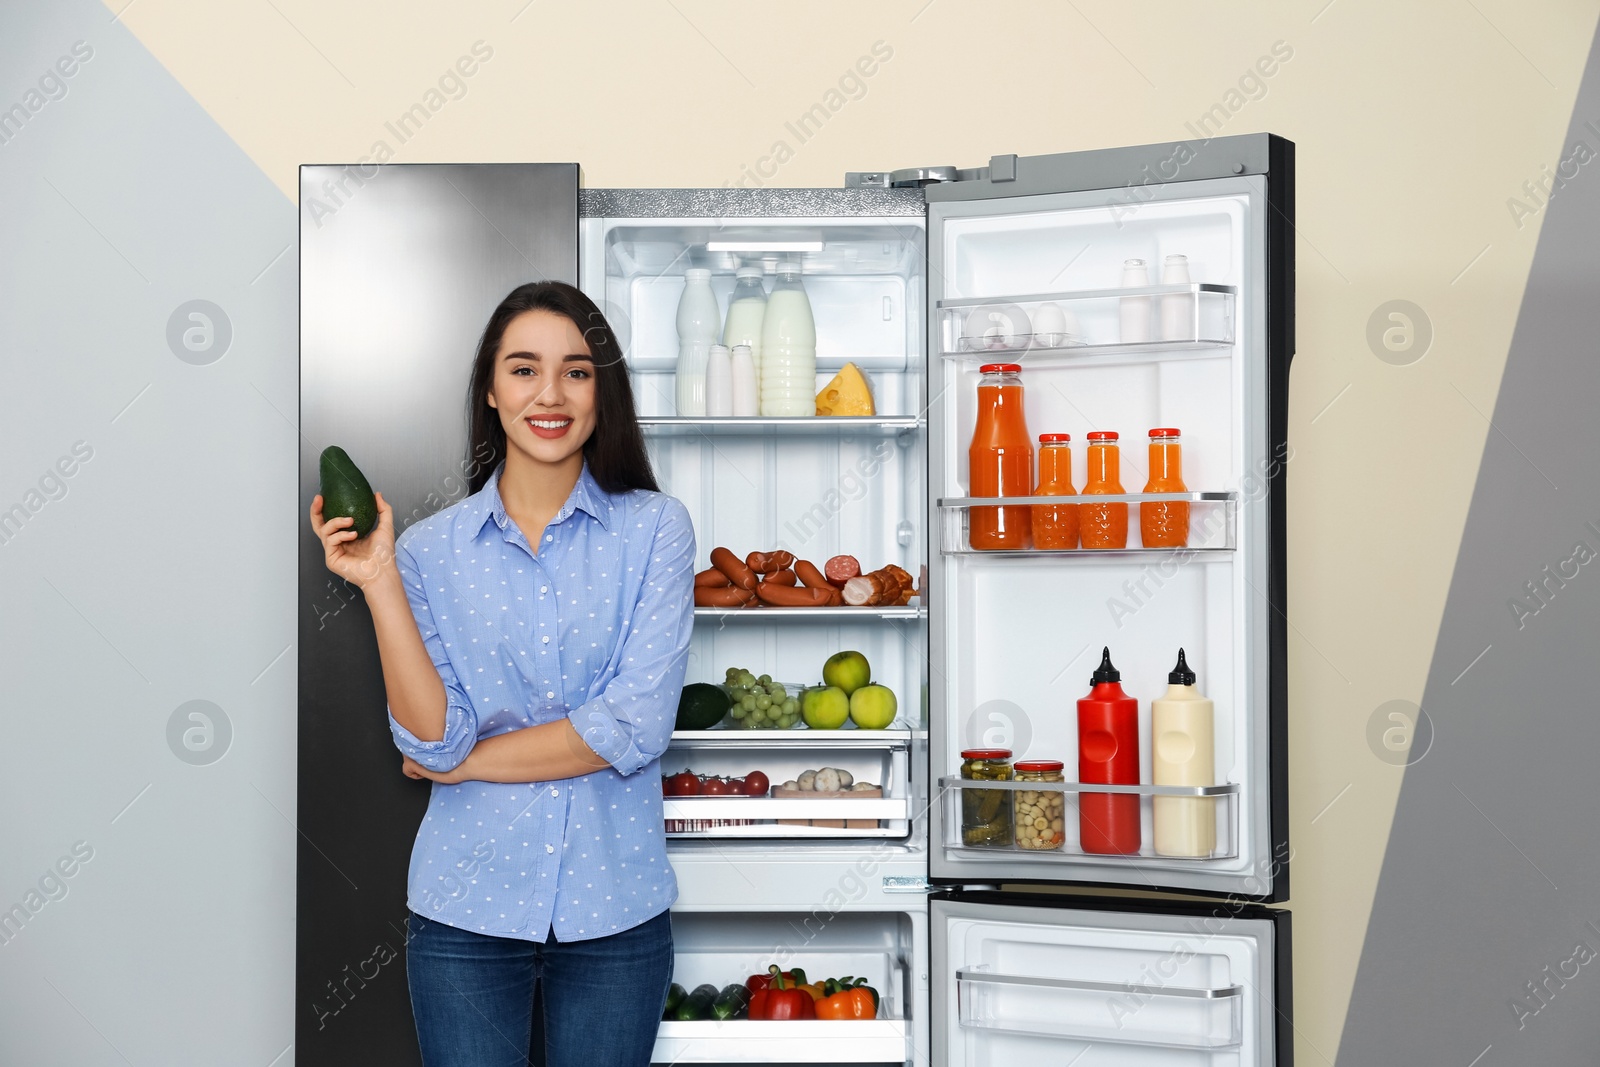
x: 1040, y: 813
x: 986, y: 813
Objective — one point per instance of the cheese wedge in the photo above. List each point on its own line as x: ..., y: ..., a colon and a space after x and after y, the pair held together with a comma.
x: 847, y: 394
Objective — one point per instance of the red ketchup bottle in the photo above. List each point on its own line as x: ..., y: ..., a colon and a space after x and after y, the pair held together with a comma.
x: 1108, y: 754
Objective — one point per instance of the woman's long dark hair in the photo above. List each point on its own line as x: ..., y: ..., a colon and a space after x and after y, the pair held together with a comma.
x: 615, y: 451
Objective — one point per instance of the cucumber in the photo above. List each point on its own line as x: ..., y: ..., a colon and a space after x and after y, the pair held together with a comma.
x: 697, y: 1005
x: 345, y: 491
x: 732, y: 1003
x: 675, y: 996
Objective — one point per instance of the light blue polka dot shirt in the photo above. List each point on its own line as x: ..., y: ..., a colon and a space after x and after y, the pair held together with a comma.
x: 595, y: 627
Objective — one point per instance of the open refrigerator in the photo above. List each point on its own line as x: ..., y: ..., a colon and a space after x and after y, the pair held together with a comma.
x: 983, y: 955
x: 998, y: 645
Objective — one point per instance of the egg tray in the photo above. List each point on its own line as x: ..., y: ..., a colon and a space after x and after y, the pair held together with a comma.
x: 780, y: 793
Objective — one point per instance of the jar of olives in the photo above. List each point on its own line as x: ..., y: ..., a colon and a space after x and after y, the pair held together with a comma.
x: 986, y: 813
x: 1040, y: 813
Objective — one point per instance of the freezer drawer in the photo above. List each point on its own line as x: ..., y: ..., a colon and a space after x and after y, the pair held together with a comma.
x: 1046, y: 979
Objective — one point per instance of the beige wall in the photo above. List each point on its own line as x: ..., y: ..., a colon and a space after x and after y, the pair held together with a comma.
x: 1415, y: 124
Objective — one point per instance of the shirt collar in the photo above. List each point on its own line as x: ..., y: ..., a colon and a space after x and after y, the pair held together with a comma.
x: 586, y: 496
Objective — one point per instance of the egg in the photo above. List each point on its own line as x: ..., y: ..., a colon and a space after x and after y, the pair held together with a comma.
x: 996, y: 326
x: 1054, y: 326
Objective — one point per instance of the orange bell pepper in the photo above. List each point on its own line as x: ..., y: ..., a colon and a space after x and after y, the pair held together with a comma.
x: 848, y: 999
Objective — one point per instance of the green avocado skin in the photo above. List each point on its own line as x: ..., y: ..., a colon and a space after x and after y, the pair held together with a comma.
x: 345, y: 491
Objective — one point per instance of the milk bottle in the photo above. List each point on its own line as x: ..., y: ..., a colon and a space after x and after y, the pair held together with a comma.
x: 699, y: 324
x: 788, y: 348
x: 747, y: 307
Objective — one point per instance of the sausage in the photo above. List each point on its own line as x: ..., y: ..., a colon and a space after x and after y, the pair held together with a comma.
x: 729, y: 596
x: 769, y: 562
x: 734, y: 567
x: 711, y: 578
x: 840, y: 569
x: 809, y: 576
x: 788, y: 596
x: 783, y: 577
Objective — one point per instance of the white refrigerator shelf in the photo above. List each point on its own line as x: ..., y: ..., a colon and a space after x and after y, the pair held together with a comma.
x: 764, y: 614
x: 766, y: 426
x: 789, y: 1041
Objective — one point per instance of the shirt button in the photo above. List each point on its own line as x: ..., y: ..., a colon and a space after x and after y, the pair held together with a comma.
x: 551, y: 695
x: 544, y: 589
x: 545, y: 639
x: 555, y: 792
x: 549, y: 848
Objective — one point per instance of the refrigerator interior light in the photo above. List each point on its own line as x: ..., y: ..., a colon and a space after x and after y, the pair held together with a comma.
x: 754, y: 241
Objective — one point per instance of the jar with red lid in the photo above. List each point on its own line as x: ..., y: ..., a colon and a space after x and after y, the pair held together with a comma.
x: 999, y: 460
x: 1055, y: 525
x: 1040, y: 814
x: 986, y: 813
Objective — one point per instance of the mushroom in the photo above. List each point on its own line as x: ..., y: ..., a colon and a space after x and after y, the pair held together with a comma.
x: 791, y: 784
x: 846, y: 779
x: 808, y: 780
x: 827, y: 780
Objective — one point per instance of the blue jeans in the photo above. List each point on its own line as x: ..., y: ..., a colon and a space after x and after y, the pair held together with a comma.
x: 473, y: 995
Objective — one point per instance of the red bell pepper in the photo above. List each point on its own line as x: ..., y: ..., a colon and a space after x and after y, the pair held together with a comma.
x: 781, y: 999
x: 795, y: 977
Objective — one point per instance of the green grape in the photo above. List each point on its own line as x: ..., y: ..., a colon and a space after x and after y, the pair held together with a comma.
x: 763, y: 703
x: 766, y: 679
x: 738, y: 711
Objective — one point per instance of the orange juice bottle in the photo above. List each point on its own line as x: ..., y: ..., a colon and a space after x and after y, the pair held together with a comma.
x: 1000, y: 460
x: 1055, y: 525
x: 1103, y: 525
x: 1165, y: 523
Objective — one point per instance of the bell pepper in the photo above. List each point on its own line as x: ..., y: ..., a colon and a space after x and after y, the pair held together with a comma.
x: 759, y: 981
x: 848, y: 998
x: 781, y: 999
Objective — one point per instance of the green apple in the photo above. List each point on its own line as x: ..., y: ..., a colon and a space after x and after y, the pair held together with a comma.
x: 872, y: 707
x: 825, y: 707
x: 847, y: 670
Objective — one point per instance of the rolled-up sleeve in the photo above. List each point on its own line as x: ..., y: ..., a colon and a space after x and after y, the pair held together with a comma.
x: 460, y: 721
x: 630, y: 723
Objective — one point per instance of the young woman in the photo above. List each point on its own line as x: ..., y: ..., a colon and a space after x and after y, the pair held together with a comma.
x: 534, y: 639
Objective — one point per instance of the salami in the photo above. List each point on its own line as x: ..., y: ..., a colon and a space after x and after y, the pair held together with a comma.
x: 840, y: 569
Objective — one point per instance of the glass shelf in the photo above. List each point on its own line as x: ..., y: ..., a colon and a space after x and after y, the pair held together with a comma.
x: 1061, y: 328
x: 1212, y: 522
x: 802, y: 426
x: 766, y: 613
x: 1222, y: 800
x: 1124, y: 1013
x: 732, y: 737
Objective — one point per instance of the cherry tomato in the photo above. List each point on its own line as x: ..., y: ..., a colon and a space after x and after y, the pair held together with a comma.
x: 715, y: 787
x: 756, y: 784
x: 682, y: 784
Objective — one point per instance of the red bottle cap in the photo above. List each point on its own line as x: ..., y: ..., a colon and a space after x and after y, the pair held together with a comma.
x: 1046, y: 765
x: 1164, y: 431
x: 1000, y: 368
x: 986, y: 753
x: 1103, y: 435
x: 1054, y: 438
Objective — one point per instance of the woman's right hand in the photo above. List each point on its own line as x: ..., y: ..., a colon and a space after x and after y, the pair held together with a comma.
x: 362, y: 562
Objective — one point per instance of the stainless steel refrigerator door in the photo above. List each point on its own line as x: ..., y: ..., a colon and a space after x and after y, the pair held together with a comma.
x: 400, y: 268
x: 1232, y: 197
x: 1051, y: 979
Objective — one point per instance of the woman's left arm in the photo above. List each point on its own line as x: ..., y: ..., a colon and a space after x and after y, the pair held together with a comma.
x: 628, y: 725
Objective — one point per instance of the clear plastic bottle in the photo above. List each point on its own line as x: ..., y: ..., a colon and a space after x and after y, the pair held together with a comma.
x: 788, y: 348
x: 699, y: 327
x: 747, y: 309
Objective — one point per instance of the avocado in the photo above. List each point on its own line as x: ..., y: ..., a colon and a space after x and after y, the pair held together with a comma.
x: 345, y: 491
x: 701, y: 706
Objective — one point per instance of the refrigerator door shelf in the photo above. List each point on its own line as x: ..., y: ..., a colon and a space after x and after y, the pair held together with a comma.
x: 1040, y: 978
x: 820, y: 426
x: 797, y: 1041
x: 1153, y: 319
x: 1130, y: 1013
x: 1213, y: 520
x: 1222, y: 799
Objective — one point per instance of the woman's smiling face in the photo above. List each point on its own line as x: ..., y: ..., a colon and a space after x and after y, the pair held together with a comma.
x: 543, y: 387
